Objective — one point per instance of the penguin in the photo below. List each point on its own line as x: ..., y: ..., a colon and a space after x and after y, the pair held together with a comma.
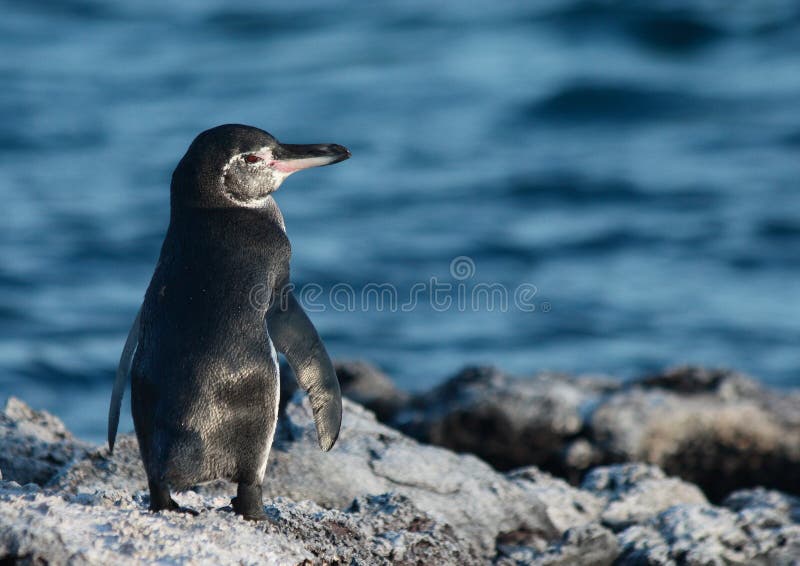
x: 202, y: 351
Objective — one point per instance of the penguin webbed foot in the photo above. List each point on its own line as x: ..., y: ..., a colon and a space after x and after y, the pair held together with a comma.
x: 160, y: 500
x: 174, y: 507
x: 248, y: 503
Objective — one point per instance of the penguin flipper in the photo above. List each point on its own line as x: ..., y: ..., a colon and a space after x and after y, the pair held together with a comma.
x: 123, y: 371
x: 295, y: 337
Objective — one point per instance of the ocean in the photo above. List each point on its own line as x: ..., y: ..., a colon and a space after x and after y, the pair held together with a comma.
x: 579, y: 186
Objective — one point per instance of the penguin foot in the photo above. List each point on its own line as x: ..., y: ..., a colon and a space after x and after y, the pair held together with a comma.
x: 160, y: 500
x: 174, y: 507
x: 248, y: 504
x: 249, y: 514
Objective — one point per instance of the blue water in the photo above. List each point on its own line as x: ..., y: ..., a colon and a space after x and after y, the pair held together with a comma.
x: 639, y: 166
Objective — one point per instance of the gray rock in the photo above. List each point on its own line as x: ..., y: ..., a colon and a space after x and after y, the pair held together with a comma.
x: 506, y: 421
x: 44, y: 528
x: 785, y: 508
x: 113, y: 528
x: 377, y: 498
x: 587, y: 545
x: 373, y: 458
x: 706, y: 535
x: 566, y: 506
x: 460, y: 492
x: 634, y: 493
x: 643, y: 546
x: 98, y: 470
x: 723, y: 434
x: 714, y: 428
x: 35, y: 444
x: 695, y: 380
x: 699, y: 534
x: 368, y: 386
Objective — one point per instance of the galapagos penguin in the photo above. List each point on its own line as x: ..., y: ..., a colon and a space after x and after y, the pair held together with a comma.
x: 201, y: 353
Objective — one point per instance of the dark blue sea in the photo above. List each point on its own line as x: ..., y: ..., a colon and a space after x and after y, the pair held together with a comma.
x: 633, y: 168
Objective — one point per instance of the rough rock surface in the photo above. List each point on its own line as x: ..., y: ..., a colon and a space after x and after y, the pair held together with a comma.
x: 377, y: 498
x: 635, y: 493
x: 714, y: 428
x: 456, y: 495
x: 367, y: 385
x: 111, y: 527
x: 755, y: 527
x: 35, y: 444
x: 717, y: 429
x: 696, y: 534
x: 566, y: 505
x: 508, y: 422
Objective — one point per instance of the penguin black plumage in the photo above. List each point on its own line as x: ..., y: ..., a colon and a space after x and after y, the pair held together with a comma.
x: 202, y: 351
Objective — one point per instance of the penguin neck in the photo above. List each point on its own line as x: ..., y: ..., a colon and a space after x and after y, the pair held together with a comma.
x: 232, y: 228
x: 268, y: 210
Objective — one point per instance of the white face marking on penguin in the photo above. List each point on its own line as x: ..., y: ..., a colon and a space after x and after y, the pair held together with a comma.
x: 250, y: 177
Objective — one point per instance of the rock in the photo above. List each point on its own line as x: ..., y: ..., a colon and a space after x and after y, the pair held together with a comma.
x: 714, y: 428
x: 579, y: 455
x: 461, y: 493
x: 700, y: 535
x: 722, y: 433
x: 683, y: 524
x: 35, y: 444
x: 695, y: 380
x: 99, y: 471
x: 51, y: 529
x: 566, y: 506
x: 508, y: 422
x: 634, y: 493
x: 705, y: 535
x: 587, y: 545
x: 378, y: 497
x: 368, y: 386
x: 644, y: 546
x: 47, y: 528
x: 373, y: 458
x: 764, y: 501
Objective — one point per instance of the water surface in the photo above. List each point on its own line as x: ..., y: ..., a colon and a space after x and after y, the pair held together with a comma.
x: 639, y: 166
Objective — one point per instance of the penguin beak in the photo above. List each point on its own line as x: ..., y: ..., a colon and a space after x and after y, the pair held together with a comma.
x: 289, y: 158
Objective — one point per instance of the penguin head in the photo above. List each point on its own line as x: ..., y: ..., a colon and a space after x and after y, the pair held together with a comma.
x: 240, y: 166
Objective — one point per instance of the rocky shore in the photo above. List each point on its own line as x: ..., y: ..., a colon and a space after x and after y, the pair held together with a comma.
x: 718, y: 429
x: 692, y: 466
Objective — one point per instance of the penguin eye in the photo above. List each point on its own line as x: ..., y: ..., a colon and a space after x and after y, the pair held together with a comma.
x: 252, y: 158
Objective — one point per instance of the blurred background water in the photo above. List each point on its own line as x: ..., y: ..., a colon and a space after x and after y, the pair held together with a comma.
x: 637, y: 162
